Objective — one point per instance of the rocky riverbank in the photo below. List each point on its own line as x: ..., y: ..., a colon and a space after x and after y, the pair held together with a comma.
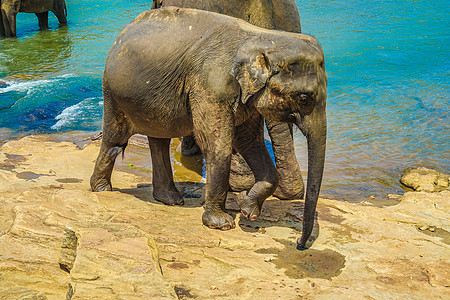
x: 59, y: 240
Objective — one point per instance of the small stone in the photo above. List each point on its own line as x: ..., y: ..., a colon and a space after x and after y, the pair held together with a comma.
x: 432, y: 229
x: 268, y: 259
x: 424, y: 227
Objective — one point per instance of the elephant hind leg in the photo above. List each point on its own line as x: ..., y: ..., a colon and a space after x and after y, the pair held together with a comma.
x: 60, y: 12
x: 116, y: 132
x: 43, y: 19
x: 164, y: 189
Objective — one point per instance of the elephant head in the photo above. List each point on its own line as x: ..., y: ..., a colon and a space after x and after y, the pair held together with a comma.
x: 285, y: 80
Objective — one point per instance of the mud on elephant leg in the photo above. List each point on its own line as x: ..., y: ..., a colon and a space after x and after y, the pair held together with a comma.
x: 164, y: 189
x: 291, y: 183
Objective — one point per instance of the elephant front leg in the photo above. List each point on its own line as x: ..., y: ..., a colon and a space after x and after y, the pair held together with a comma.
x: 213, y: 129
x: 291, y: 182
x: 217, y: 172
x: 249, y: 141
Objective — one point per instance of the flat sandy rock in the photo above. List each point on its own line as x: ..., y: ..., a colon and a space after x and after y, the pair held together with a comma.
x: 58, y: 239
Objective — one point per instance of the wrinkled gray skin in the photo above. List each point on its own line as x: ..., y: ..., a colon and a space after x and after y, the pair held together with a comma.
x: 10, y: 9
x: 270, y: 14
x: 173, y: 72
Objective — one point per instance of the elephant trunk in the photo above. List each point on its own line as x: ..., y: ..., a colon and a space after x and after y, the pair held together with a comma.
x: 314, y: 127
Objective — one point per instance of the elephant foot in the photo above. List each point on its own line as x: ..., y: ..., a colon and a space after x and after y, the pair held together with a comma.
x: 168, y: 197
x: 100, y: 185
x: 249, y: 208
x: 217, y: 219
x: 289, y: 194
x: 189, y: 147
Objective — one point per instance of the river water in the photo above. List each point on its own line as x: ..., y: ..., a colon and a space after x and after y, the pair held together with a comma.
x: 388, y: 83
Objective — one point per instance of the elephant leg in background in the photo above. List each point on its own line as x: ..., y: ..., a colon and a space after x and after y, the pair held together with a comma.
x: 189, y: 147
x: 290, y: 178
x: 291, y: 183
x: 164, y: 189
x: 115, y: 137
x: 2, y: 28
x: 249, y: 141
x: 43, y: 19
x: 9, y: 21
x: 60, y: 13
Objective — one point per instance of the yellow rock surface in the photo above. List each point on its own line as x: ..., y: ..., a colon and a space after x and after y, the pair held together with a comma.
x: 58, y: 239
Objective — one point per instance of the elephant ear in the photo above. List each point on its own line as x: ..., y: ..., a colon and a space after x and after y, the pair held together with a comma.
x: 251, y: 66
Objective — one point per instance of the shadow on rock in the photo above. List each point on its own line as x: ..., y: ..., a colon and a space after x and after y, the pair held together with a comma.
x: 190, y: 191
x: 311, y: 263
x: 275, y: 213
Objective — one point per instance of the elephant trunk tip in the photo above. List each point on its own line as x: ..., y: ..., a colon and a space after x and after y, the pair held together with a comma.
x: 301, y: 242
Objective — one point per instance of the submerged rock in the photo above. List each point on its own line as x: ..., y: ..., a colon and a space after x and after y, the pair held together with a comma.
x: 426, y: 180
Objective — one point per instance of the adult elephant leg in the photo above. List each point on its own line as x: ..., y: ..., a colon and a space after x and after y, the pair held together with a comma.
x: 164, y: 189
x: 9, y: 21
x: 2, y: 27
x: 189, y: 146
x: 43, y: 20
x: 60, y: 11
x: 249, y: 142
x: 116, y: 133
x: 291, y: 182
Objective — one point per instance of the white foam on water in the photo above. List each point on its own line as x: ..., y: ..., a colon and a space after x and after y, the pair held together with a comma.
x: 75, y: 112
x: 24, y: 86
x: 29, y: 86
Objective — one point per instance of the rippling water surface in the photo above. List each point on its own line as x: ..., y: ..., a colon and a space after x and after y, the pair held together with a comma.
x: 388, y: 74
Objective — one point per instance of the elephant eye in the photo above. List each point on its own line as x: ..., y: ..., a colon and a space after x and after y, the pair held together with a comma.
x: 303, y: 97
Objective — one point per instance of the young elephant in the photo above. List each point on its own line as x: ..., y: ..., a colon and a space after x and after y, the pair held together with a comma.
x: 10, y: 8
x: 269, y: 14
x: 173, y: 72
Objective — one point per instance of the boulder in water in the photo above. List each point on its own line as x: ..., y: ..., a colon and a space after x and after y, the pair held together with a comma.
x: 426, y: 180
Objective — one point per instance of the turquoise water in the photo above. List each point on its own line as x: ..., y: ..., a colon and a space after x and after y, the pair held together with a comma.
x: 388, y: 68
